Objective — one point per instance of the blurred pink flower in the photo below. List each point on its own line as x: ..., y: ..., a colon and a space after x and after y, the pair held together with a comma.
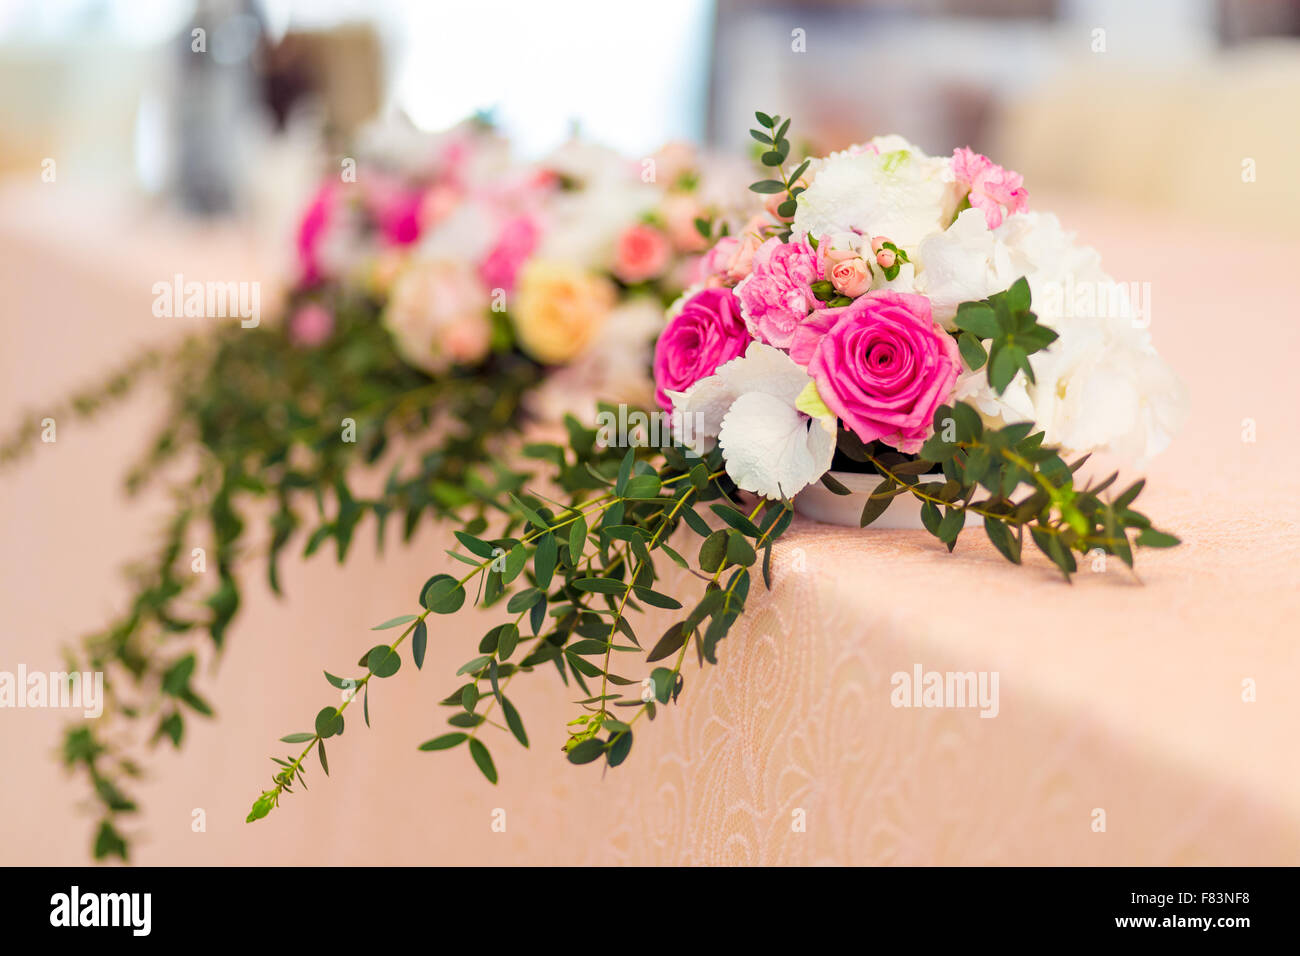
x: 437, y: 204
x: 680, y: 213
x: 438, y: 314
x: 641, y: 253
x: 396, y: 209
x: 515, y: 243
x: 312, y: 230
x: 311, y: 325
x: 732, y: 257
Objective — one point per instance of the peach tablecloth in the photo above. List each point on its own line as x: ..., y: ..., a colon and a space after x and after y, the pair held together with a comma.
x: 1114, y: 695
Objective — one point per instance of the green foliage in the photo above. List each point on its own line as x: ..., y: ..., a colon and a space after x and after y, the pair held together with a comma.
x: 587, y: 566
x: 1011, y: 330
x: 900, y: 257
x: 772, y: 135
x: 255, y: 427
x: 1015, y: 483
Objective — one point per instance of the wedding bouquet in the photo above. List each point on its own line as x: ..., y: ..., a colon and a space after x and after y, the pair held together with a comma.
x: 445, y: 296
x: 882, y: 312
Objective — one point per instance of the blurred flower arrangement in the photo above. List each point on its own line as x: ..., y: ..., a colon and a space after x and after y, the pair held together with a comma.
x: 874, y: 316
x: 447, y: 295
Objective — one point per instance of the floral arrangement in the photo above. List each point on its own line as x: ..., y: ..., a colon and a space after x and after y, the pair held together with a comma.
x: 884, y: 312
x: 445, y: 296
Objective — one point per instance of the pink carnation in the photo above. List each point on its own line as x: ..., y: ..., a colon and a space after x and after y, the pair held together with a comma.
x: 706, y: 333
x: 991, y: 186
x: 882, y: 365
x: 516, y: 242
x: 777, y: 296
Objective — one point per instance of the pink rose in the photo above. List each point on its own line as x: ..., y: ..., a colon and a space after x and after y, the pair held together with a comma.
x: 516, y: 242
x: 882, y: 365
x: 777, y: 295
x: 991, y: 186
x: 732, y: 257
x: 311, y: 325
x: 706, y: 333
x: 851, y: 277
x: 642, y: 252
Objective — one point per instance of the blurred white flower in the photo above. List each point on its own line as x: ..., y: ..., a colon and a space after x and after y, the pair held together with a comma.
x: 467, y: 233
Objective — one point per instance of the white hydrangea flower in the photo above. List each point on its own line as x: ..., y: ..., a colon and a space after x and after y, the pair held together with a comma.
x: 964, y: 263
x: 1038, y: 248
x: 1098, y: 390
x: 905, y: 281
x: 894, y: 190
x: 750, y: 404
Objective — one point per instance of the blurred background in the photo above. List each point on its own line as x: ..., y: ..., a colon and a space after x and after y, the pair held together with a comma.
x: 1112, y: 99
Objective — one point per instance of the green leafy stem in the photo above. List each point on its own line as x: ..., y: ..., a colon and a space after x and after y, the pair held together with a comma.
x: 773, y: 137
x: 557, y: 573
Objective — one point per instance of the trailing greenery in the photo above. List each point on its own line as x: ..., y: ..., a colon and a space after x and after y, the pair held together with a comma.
x: 85, y: 405
x: 569, y: 579
x: 260, y: 450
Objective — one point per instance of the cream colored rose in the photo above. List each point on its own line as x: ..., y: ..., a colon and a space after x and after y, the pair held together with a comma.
x: 558, y: 309
x: 438, y: 315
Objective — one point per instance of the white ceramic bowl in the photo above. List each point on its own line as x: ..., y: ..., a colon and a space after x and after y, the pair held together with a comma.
x: 819, y: 503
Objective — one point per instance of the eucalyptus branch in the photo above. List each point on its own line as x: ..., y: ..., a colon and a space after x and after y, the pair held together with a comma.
x: 1060, y: 517
x: 773, y: 136
x: 580, y: 574
x: 84, y: 404
x: 253, y: 419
